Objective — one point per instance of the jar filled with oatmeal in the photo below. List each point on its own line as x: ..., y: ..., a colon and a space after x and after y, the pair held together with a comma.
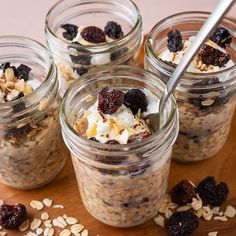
x: 206, y: 93
x: 88, y: 34
x: 121, y: 162
x: 31, y: 146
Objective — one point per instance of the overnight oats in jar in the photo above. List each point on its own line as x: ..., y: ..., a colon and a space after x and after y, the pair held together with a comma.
x: 121, y: 163
x: 206, y: 93
x: 31, y: 146
x: 89, y: 34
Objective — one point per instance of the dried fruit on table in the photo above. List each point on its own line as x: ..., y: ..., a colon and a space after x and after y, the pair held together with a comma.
x: 93, y: 34
x: 71, y: 31
x: 212, y: 193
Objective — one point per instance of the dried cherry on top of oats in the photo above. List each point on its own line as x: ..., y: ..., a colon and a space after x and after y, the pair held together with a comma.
x: 181, y: 223
x: 136, y: 99
x: 113, y: 30
x: 93, y: 34
x: 213, y: 56
x: 183, y: 192
x: 212, y: 193
x: 71, y: 31
x: 12, y: 216
x: 222, y: 37
x: 174, y: 41
x: 110, y: 100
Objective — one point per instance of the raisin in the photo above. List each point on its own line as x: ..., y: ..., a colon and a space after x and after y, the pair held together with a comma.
x: 136, y: 99
x: 224, y: 98
x: 20, y: 106
x: 138, y: 137
x: 4, y: 66
x: 81, y: 60
x: 23, y: 72
x: 222, y: 37
x: 118, y: 54
x: 212, y: 193
x: 113, y: 30
x: 110, y: 100
x: 93, y: 34
x: 80, y: 71
x: 18, y: 132
x: 170, y: 63
x: 12, y: 216
x: 181, y: 223
x: 71, y: 31
x: 113, y: 141
x: 174, y: 40
x: 213, y: 56
x: 183, y: 192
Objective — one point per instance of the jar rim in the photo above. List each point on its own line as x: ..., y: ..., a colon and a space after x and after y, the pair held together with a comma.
x: 150, y: 52
x: 169, y: 125
x: 121, y: 41
x: 38, y: 47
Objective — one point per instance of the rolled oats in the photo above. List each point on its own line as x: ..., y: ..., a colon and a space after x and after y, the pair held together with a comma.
x: 47, y: 202
x: 35, y: 224
x: 58, y: 206
x: 31, y: 234
x: 230, y: 212
x: 159, y: 220
x: 77, y: 228
x: 213, y: 233
x: 49, y: 232
x: 85, y: 233
x: 36, y: 205
x: 207, y: 215
x: 71, y: 220
x: 196, y: 204
x: 65, y: 232
x: 221, y: 218
x: 168, y: 214
x: 48, y: 223
x: 39, y: 231
x: 25, y: 225
x: 44, y: 216
x: 58, y: 223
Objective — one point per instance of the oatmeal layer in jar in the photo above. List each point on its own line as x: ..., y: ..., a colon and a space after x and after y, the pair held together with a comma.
x: 31, y: 146
x: 121, y: 163
x: 206, y: 93
x: 80, y: 40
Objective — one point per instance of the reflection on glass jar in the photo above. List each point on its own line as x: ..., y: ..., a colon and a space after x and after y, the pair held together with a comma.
x: 121, y: 185
x: 31, y: 146
x: 206, y: 93
x: 114, y: 38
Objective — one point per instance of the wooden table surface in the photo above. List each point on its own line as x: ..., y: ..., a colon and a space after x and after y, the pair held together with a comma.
x: 63, y: 190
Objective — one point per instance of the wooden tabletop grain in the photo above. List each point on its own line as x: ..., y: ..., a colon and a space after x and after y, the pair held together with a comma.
x: 63, y: 190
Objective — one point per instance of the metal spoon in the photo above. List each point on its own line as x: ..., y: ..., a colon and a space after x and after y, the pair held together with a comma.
x: 223, y: 6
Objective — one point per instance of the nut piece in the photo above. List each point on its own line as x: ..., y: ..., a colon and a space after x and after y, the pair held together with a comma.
x: 24, y: 226
x: 47, y: 202
x: 213, y: 233
x: 230, y: 211
x: 85, y: 233
x: 159, y: 220
x: 36, y: 205
x: 65, y: 232
x: 71, y: 220
x: 44, y: 216
x: 76, y: 229
x: 221, y: 218
x: 35, y: 224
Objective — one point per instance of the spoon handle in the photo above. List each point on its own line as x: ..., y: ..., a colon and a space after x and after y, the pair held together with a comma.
x: 212, y: 22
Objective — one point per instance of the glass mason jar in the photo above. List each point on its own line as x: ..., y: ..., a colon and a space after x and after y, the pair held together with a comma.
x: 205, y: 108
x: 31, y: 146
x: 73, y: 59
x: 128, y: 188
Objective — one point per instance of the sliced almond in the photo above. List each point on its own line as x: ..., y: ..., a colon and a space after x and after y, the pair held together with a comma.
x: 159, y: 220
x: 36, y: 205
x: 35, y: 224
x: 65, y: 232
x: 85, y: 233
x: 230, y: 212
x: 24, y: 226
x: 196, y: 204
x: 71, y: 220
x: 212, y: 233
x: 45, y: 216
x: 47, y: 202
x: 76, y: 229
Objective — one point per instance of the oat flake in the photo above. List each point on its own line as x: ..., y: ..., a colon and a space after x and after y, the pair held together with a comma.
x: 76, y: 229
x: 39, y: 231
x: 71, y: 220
x: 213, y: 233
x: 48, y: 232
x: 159, y: 220
x: 47, y: 202
x: 24, y: 226
x: 230, y: 212
x: 35, y: 224
x: 85, y: 233
x: 36, y: 205
x: 44, y: 216
x: 65, y: 232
